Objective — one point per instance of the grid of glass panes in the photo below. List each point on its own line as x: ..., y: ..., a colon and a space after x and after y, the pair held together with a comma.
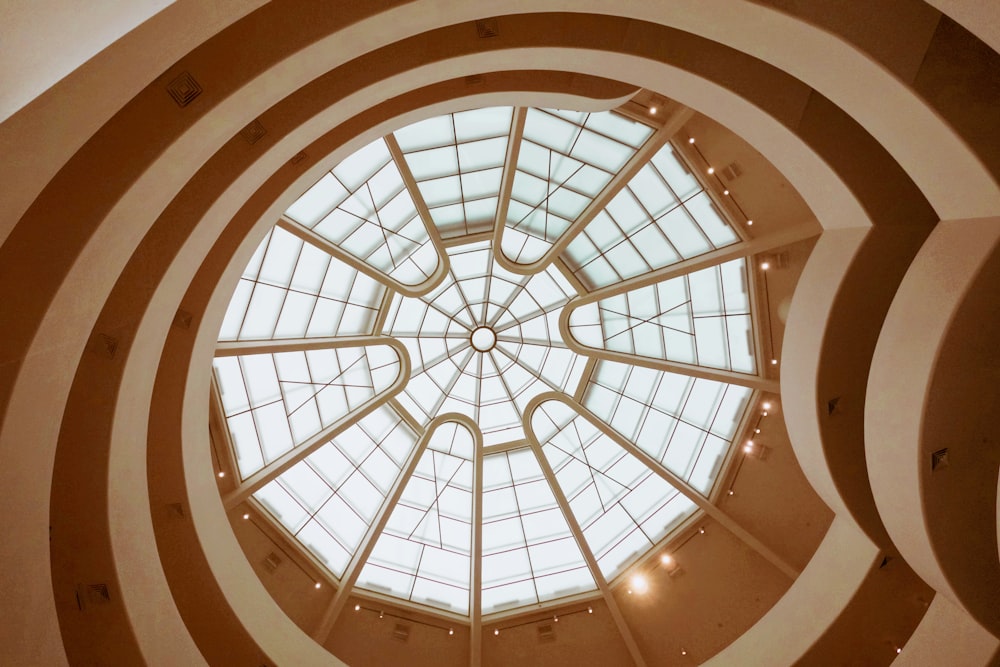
x: 529, y: 553
x: 457, y: 161
x: 687, y: 424
x: 274, y: 402
x: 329, y: 500
x: 291, y: 289
x: 622, y: 506
x: 493, y: 387
x: 424, y: 553
x: 662, y: 216
x: 564, y: 160
x: 363, y: 207
x: 701, y: 318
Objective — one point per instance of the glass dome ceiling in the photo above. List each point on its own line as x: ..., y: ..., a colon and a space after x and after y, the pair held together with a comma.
x: 463, y: 371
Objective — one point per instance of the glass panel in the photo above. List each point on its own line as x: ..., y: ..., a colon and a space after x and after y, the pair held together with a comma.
x: 663, y: 215
x: 702, y: 318
x: 492, y: 386
x: 428, y: 537
x: 622, y: 507
x: 455, y: 158
x: 328, y: 500
x: 363, y: 207
x: 564, y: 160
x: 529, y: 554
x: 687, y: 424
x: 274, y: 402
x: 295, y: 290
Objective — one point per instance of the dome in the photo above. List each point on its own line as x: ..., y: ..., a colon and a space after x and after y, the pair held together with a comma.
x: 481, y: 417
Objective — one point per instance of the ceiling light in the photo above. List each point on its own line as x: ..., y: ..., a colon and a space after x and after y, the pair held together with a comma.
x: 496, y: 632
x: 749, y: 223
x: 639, y: 583
x: 451, y: 631
x: 357, y: 607
x: 667, y: 559
x: 774, y: 362
x: 725, y: 192
x: 767, y: 405
x: 318, y: 584
x: 748, y: 447
x: 246, y: 515
x: 711, y: 170
x: 765, y: 265
x: 701, y: 530
x: 765, y: 413
x: 691, y: 140
x: 590, y: 610
x: 555, y: 619
x: 731, y: 492
x: 652, y: 110
x: 222, y: 473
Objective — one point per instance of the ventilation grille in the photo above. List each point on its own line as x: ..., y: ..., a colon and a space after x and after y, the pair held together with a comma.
x: 272, y: 561
x: 184, y: 89
x: 546, y: 633
x: 939, y: 460
x: 487, y: 28
x: 253, y: 132
x: 401, y: 632
x: 731, y: 171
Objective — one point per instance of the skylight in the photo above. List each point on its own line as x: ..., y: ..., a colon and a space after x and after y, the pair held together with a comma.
x: 400, y: 397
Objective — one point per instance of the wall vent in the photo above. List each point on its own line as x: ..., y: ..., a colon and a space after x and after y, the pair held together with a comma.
x: 272, y: 561
x: 253, y: 132
x: 832, y: 405
x: 104, y: 345
x: 183, y: 319
x: 401, y: 632
x: 487, y: 28
x: 184, y: 89
x: 546, y: 633
x: 939, y: 460
x: 731, y: 171
x: 92, y: 595
x: 298, y: 157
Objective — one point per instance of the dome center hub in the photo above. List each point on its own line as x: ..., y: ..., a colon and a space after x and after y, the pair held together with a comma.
x: 483, y: 339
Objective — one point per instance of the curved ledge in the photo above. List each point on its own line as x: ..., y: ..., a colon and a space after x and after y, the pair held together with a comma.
x: 936, y: 357
x: 844, y: 293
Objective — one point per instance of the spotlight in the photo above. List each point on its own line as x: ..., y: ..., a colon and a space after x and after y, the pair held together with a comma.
x: 451, y: 631
x: 222, y: 473
x: 711, y: 170
x: 765, y: 266
x: 691, y: 140
x: 639, y: 583
x: 246, y: 515
x: 318, y: 584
